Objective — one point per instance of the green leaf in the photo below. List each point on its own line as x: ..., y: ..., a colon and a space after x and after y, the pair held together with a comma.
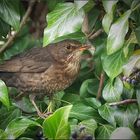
x: 17, y: 127
x: 89, y: 87
x: 117, y: 33
x: 128, y: 2
x: 89, y: 5
x: 112, y: 64
x: 90, y: 126
x: 25, y: 105
x: 51, y: 5
x: 93, y: 16
x: 135, y: 4
x: 109, y: 7
x: 66, y: 18
x: 128, y: 91
x: 112, y: 93
x: 5, y: 28
x: 93, y: 102
x: 123, y: 133
x: 6, y: 116
x: 132, y: 39
x: 71, y: 98
x: 80, y: 3
x: 56, y: 126
x: 107, y: 113
x: 82, y: 112
x: 75, y: 36
x: 4, y: 94
x: 106, y: 22
x: 137, y: 33
x: 20, y: 45
x: 126, y: 117
x: 9, y: 12
x: 133, y: 62
x: 104, y: 131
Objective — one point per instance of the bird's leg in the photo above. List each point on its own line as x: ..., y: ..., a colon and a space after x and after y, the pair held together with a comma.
x: 40, y: 114
x: 50, y: 107
x: 19, y: 96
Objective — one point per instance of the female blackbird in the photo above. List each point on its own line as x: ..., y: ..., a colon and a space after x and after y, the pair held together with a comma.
x: 44, y: 70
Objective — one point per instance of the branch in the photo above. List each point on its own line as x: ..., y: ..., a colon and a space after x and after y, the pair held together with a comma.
x: 85, y: 25
x: 23, y: 21
x: 97, y: 33
x: 100, y: 85
x: 128, y: 101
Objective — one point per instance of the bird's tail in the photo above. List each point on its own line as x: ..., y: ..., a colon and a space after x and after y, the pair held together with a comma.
x: 7, y: 78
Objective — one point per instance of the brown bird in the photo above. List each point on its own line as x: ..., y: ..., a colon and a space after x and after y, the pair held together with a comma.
x: 44, y: 70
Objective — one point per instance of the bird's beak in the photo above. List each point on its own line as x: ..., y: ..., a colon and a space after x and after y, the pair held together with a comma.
x: 84, y: 47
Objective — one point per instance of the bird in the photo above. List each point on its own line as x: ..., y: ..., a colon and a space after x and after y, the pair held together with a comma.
x: 44, y: 70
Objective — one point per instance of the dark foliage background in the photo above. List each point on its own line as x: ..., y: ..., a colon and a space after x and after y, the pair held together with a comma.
x: 104, y: 101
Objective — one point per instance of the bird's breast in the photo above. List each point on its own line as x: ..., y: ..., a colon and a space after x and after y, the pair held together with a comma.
x: 58, y: 78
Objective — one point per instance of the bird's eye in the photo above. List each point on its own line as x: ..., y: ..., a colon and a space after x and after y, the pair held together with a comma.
x: 68, y: 47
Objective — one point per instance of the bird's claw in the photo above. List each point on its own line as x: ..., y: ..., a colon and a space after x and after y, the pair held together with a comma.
x: 44, y: 115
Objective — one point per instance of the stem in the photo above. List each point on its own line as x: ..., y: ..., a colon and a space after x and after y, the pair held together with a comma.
x: 97, y: 33
x: 135, y: 8
x: 100, y: 86
x: 24, y: 20
x: 127, y: 101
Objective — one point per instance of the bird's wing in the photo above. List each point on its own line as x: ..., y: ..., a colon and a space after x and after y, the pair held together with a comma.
x: 35, y: 60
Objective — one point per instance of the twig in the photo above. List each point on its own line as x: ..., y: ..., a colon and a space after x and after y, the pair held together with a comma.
x: 92, y: 32
x: 85, y: 25
x: 23, y: 21
x: 128, y: 101
x: 97, y: 33
x: 100, y: 85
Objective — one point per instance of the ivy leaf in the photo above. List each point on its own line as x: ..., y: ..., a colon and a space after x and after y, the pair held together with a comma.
x: 132, y: 39
x: 107, y: 113
x: 81, y: 3
x: 66, y: 18
x: 134, y: 61
x: 112, y: 93
x: 71, y: 98
x: 93, y: 102
x: 123, y: 133
x: 5, y: 28
x: 4, y: 94
x: 82, y: 112
x: 112, y: 64
x: 19, y: 45
x: 17, y: 127
x: 109, y: 7
x: 126, y: 117
x: 90, y: 126
x: 89, y: 87
x: 9, y: 12
x: 75, y: 36
x: 137, y: 33
x: 104, y: 131
x: 56, y: 126
x: 89, y: 5
x: 117, y: 33
x: 6, y: 116
x: 51, y: 5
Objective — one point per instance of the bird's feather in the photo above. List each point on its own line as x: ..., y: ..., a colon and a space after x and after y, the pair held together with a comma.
x: 35, y: 60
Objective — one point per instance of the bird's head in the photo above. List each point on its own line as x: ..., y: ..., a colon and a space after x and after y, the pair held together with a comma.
x: 68, y: 51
